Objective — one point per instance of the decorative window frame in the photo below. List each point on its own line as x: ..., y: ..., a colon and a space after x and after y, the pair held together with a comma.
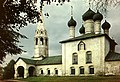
x: 80, y: 44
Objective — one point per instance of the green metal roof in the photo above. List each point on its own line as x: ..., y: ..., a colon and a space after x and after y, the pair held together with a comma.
x: 112, y: 56
x: 27, y: 61
x: 50, y: 60
x: 47, y: 61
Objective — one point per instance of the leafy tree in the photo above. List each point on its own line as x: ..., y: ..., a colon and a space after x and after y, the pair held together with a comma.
x: 1, y: 73
x: 9, y: 70
x: 13, y: 16
x: 104, y: 5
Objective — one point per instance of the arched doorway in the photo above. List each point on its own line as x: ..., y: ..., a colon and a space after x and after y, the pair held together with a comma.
x: 31, y: 71
x: 20, y: 70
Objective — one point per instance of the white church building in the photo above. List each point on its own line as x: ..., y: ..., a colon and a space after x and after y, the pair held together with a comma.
x: 91, y: 53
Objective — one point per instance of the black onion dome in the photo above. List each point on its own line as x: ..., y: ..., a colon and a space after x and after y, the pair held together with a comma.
x: 106, y: 25
x: 88, y: 15
x: 82, y: 30
x: 72, y: 22
x: 98, y: 16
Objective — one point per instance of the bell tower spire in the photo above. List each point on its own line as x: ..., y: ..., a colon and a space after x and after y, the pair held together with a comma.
x: 40, y: 40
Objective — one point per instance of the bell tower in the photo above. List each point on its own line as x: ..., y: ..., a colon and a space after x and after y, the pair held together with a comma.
x: 40, y: 40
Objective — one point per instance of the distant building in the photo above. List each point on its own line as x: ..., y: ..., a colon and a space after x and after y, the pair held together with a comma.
x: 91, y: 53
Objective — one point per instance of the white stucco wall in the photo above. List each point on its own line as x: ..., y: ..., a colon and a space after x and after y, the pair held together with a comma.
x: 51, y: 68
x: 112, y: 68
x: 96, y: 45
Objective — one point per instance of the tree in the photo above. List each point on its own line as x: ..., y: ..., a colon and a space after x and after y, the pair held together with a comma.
x: 103, y: 5
x: 9, y: 70
x: 13, y: 16
x: 1, y: 73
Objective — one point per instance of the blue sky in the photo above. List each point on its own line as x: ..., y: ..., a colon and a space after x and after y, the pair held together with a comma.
x: 56, y: 26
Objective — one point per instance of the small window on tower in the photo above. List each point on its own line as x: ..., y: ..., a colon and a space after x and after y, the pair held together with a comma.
x: 41, y: 41
x: 36, y: 42
x: 46, y: 42
x: 41, y: 32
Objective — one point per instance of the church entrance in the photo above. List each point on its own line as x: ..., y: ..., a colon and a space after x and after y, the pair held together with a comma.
x: 20, y: 70
x: 31, y: 71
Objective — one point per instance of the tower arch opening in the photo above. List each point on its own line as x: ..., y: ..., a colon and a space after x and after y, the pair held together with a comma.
x: 36, y: 41
x: 41, y: 41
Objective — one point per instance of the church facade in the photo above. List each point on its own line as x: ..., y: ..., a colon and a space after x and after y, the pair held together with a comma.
x: 91, y: 53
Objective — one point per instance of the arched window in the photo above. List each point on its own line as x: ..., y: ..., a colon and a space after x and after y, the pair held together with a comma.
x: 75, y: 58
x: 41, y: 71
x: 88, y: 57
x: 91, y: 70
x: 31, y: 71
x: 46, y: 41
x: 81, y: 70
x: 36, y: 41
x: 81, y: 46
x: 56, y: 71
x: 72, y: 70
x: 41, y: 32
x: 48, y: 71
x: 41, y: 41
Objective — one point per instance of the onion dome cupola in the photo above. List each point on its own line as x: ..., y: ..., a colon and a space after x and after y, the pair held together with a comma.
x: 72, y: 22
x: 82, y: 30
x: 88, y: 15
x: 106, y: 25
x: 98, y: 16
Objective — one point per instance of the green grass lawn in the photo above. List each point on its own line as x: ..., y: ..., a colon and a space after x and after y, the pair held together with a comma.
x: 73, y: 79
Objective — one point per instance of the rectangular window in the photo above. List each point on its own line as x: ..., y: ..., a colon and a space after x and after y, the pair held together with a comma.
x: 73, y: 71
x: 41, y: 71
x: 89, y: 57
x: 48, y: 72
x: 75, y: 58
x: 91, y: 71
x: 56, y: 72
x: 81, y: 70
